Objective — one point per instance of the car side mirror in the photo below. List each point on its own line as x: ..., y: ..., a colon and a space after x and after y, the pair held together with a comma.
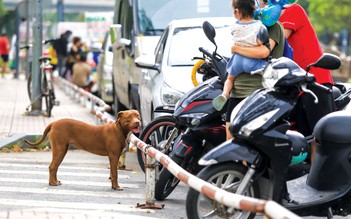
x: 146, y: 61
x: 125, y: 41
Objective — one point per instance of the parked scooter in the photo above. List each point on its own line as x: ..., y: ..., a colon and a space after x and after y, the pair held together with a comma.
x: 262, y: 138
x: 198, y: 126
x: 161, y: 131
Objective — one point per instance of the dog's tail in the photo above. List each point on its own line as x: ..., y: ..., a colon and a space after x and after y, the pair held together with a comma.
x: 46, y: 131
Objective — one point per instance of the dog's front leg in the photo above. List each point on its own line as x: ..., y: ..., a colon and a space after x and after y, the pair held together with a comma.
x: 113, y: 172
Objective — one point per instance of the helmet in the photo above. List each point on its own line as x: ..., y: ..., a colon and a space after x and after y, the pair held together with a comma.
x: 282, y: 3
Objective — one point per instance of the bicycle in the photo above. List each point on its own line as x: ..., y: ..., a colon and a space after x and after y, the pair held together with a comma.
x: 46, y: 85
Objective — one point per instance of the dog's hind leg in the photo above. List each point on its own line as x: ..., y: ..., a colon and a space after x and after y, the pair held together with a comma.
x: 58, y: 153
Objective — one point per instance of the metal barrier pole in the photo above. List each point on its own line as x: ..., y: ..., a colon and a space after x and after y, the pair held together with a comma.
x: 150, y: 178
x: 229, y: 199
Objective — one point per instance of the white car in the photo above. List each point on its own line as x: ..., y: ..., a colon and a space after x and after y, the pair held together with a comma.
x: 166, y: 75
x: 104, y: 71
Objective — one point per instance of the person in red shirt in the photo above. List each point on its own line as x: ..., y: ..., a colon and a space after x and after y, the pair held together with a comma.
x: 4, y: 52
x: 303, y: 39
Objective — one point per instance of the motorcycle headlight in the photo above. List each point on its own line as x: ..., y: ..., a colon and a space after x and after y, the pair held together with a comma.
x: 169, y: 96
x: 194, y: 118
x: 251, y: 126
x: 271, y: 76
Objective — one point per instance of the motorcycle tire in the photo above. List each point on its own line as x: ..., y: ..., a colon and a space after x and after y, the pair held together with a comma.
x: 154, y: 133
x: 199, y: 205
x: 167, y: 182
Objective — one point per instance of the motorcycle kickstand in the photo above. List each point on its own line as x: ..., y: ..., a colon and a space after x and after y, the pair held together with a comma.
x: 330, y: 213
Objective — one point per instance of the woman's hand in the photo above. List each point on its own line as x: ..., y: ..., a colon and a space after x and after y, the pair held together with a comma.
x: 234, y: 47
x: 255, y: 52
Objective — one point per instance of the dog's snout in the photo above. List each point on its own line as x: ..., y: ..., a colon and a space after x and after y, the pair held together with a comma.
x: 137, y: 122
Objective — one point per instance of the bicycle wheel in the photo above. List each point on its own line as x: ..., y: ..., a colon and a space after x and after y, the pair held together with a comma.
x: 29, y: 86
x: 45, y: 86
x: 49, y: 101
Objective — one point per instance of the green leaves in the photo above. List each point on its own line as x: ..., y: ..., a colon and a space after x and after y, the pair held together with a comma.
x: 330, y: 16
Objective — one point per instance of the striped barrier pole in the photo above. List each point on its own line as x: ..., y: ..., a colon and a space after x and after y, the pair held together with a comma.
x: 87, y: 95
x: 270, y: 208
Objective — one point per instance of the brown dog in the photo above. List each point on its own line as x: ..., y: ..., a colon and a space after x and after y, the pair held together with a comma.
x: 106, y: 140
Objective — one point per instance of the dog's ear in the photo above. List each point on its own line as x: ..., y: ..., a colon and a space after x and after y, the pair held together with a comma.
x: 119, y: 115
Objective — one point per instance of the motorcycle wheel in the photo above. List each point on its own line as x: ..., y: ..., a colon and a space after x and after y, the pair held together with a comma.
x: 167, y: 182
x: 155, y: 133
x: 227, y: 176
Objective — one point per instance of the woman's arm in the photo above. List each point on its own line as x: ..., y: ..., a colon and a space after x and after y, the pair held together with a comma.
x: 256, y: 52
x: 287, y: 32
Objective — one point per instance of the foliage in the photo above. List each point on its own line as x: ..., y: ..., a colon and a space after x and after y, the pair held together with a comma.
x: 3, y: 13
x: 329, y: 16
x: 3, y: 10
x: 20, y: 146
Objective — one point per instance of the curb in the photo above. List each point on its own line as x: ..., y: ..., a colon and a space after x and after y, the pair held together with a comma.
x: 18, y: 138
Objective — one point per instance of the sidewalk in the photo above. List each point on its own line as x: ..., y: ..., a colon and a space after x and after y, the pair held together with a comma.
x: 16, y: 125
x: 14, y: 101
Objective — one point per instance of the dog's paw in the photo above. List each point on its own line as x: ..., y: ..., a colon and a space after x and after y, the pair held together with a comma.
x: 133, y: 149
x: 55, y: 183
x: 117, y: 188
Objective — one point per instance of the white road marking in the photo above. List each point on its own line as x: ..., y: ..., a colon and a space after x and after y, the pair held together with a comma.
x: 67, y: 182
x: 73, y: 205
x: 62, y: 173
x: 53, y: 191
x: 46, y: 166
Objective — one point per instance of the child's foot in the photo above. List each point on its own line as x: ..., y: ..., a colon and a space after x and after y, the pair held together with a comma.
x: 219, y: 102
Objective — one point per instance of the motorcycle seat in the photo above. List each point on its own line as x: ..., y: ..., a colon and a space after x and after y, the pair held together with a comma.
x: 284, y: 62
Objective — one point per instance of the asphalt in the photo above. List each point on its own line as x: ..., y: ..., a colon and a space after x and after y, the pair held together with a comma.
x: 15, y: 124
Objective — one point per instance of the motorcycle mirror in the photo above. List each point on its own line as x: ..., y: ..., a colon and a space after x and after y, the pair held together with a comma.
x: 327, y: 61
x: 209, y: 31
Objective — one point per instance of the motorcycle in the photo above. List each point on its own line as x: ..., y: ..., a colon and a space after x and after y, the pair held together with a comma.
x: 197, y: 125
x: 260, y: 126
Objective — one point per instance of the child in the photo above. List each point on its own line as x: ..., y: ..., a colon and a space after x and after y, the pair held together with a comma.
x: 246, y: 32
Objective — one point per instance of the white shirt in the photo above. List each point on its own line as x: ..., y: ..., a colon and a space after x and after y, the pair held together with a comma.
x: 245, y: 34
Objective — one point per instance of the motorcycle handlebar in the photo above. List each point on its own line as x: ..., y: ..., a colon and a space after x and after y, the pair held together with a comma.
x: 321, y: 87
x: 49, y: 40
x: 26, y: 47
x: 205, y: 52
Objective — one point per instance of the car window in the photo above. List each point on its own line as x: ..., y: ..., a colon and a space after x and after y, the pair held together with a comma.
x: 159, y: 51
x: 186, y: 41
x: 126, y: 19
x: 154, y: 15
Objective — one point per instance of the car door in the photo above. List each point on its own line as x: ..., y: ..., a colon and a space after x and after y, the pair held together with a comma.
x: 123, y: 56
x: 150, y: 80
